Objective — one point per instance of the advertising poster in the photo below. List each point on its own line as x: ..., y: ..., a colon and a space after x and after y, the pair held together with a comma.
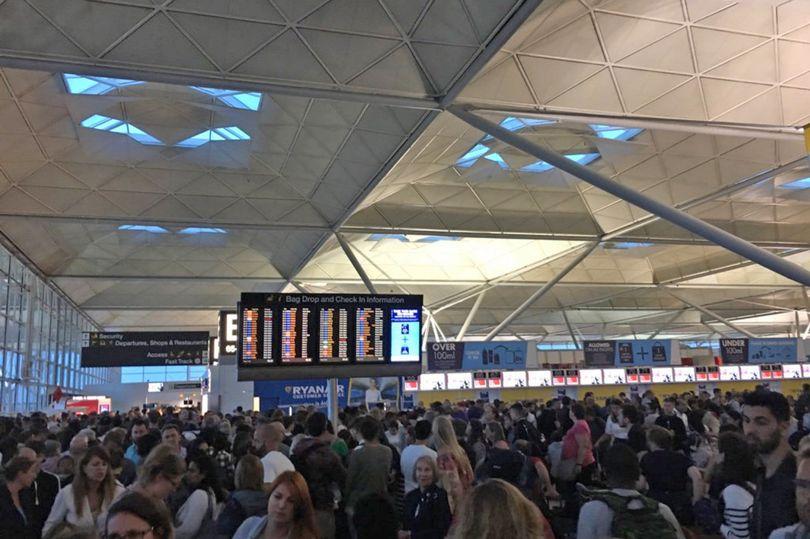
x: 469, y: 356
x: 599, y: 353
x: 294, y: 393
x: 734, y: 351
x: 647, y: 352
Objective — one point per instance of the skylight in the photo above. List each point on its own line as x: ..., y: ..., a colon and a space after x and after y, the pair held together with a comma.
x: 144, y: 228
x: 214, y: 135
x: 83, y: 85
x: 629, y: 245
x: 114, y: 125
x: 802, y: 183
x: 234, y: 98
x: 615, y: 133
x: 412, y: 239
x: 202, y: 230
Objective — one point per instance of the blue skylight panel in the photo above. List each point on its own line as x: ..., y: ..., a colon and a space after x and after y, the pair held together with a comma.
x: 217, y: 134
x: 615, y: 133
x: 496, y: 158
x: 802, y: 183
x: 234, y: 98
x: 114, y: 125
x: 82, y: 85
x: 144, y: 228
x: 540, y: 166
x: 630, y: 245
x: 583, y: 158
x: 202, y: 230
x: 468, y: 159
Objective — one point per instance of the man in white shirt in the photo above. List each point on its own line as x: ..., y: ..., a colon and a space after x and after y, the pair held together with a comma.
x: 268, y: 437
x: 615, y: 424
x: 596, y: 517
x: 413, y: 452
x: 373, y: 394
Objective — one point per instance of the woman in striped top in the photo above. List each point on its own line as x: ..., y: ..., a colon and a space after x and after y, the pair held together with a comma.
x: 737, y: 495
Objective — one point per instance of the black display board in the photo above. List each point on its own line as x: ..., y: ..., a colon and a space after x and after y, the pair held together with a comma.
x: 734, y: 351
x: 144, y: 348
x: 599, y: 353
x: 328, y: 335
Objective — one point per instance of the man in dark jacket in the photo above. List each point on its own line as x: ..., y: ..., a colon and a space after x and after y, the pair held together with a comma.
x: 321, y: 467
x: 672, y: 423
x: 44, y: 489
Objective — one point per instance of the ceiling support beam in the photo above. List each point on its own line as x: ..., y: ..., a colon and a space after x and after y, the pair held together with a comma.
x: 467, y: 321
x: 571, y: 330
x: 675, y: 216
x: 588, y: 248
x: 665, y: 325
x: 713, y: 314
x: 347, y: 249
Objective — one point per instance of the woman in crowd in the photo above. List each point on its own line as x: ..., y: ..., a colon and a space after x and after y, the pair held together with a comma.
x: 494, y: 510
x: 732, y: 485
x: 84, y: 503
x: 248, y: 500
x: 160, y: 474
x: 577, y: 446
x: 289, y: 512
x: 476, y: 441
x: 16, y: 511
x: 138, y: 515
x: 195, y: 518
x: 427, y: 511
x: 455, y: 472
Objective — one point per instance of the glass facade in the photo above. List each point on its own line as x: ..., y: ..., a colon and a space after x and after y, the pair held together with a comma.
x: 131, y: 375
x: 40, y: 338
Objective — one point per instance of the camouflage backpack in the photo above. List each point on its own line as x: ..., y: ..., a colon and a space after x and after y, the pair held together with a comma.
x: 629, y: 523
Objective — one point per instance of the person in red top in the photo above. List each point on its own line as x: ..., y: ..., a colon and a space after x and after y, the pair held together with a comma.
x: 577, y: 445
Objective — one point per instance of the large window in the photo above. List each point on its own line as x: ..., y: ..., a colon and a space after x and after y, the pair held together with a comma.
x: 131, y: 375
x: 40, y: 336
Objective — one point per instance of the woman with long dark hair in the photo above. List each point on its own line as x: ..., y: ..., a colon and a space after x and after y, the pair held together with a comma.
x: 289, y: 512
x: 85, y: 501
x: 196, y: 516
x: 17, y: 511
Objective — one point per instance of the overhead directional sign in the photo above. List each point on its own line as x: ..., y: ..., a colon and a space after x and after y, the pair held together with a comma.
x: 228, y: 332
x: 143, y: 348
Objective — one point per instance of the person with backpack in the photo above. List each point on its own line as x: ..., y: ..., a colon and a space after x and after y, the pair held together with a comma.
x: 622, y: 512
x: 502, y: 462
x: 521, y: 428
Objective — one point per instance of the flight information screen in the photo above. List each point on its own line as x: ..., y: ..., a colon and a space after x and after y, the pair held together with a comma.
x: 307, y: 330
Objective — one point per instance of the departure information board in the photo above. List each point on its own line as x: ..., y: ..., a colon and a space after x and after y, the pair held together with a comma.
x: 325, y: 335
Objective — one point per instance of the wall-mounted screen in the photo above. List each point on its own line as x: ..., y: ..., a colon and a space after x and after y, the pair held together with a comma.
x: 572, y: 377
x: 792, y: 372
x: 480, y: 380
x: 662, y: 375
x: 684, y: 374
x: 614, y: 376
x: 806, y: 370
x: 539, y: 378
x: 514, y: 379
x: 777, y: 373
x: 729, y: 373
x: 590, y: 377
x: 432, y: 382
x: 311, y: 335
x: 558, y: 377
x: 713, y: 373
x: 644, y: 375
x: 632, y: 375
x: 411, y: 383
x: 494, y: 379
x: 459, y: 380
x: 765, y: 372
x: 749, y: 372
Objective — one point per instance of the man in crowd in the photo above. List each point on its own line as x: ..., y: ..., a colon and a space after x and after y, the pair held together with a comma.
x: 411, y: 453
x: 43, y: 490
x: 267, y: 440
x: 139, y: 428
x: 521, y: 428
x: 502, y: 462
x: 615, y: 425
x: 170, y: 435
x: 369, y: 464
x: 766, y: 419
x: 801, y: 530
x: 672, y: 423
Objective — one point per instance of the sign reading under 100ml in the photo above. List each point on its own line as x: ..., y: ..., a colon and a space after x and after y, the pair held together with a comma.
x: 144, y: 348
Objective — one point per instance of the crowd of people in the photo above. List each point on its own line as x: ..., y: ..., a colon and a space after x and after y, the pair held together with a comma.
x: 731, y: 465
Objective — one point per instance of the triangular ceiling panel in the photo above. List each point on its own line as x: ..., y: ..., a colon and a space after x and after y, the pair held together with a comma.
x: 287, y: 45
x: 346, y: 55
x: 625, y: 35
x: 503, y: 83
x: 597, y: 93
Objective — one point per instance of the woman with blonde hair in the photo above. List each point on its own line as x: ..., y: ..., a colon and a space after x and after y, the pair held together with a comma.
x: 496, y: 509
x: 84, y: 503
x: 160, y: 474
x: 455, y: 472
x: 289, y: 512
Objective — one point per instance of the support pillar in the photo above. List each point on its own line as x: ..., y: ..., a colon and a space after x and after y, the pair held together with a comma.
x: 347, y: 249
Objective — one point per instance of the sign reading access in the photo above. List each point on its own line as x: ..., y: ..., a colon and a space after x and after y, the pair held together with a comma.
x: 144, y: 348
x: 328, y: 335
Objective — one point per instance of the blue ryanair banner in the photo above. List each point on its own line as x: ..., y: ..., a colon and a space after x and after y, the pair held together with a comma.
x: 472, y: 356
x: 293, y: 393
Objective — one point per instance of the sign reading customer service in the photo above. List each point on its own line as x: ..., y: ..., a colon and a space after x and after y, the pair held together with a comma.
x: 471, y: 356
x: 144, y: 348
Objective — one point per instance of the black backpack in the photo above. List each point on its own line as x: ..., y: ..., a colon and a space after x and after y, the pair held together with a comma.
x: 506, y: 464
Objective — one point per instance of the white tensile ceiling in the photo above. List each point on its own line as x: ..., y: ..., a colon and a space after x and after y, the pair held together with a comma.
x: 680, y: 99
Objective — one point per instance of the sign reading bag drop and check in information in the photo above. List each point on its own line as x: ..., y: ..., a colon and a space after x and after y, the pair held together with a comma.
x: 144, y: 348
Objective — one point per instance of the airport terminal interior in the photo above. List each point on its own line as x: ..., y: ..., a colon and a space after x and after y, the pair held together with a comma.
x: 405, y: 269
